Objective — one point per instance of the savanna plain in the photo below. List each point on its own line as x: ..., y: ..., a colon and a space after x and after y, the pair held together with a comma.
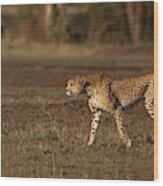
x: 45, y: 133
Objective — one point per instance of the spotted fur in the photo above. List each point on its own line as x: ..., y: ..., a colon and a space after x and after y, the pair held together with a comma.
x: 113, y: 96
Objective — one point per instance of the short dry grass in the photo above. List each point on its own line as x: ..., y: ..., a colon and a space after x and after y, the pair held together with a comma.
x: 44, y: 133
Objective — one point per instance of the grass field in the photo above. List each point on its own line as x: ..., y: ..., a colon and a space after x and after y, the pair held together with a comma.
x: 44, y: 132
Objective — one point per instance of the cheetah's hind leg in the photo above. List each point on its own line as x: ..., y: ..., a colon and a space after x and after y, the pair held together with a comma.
x: 149, y: 101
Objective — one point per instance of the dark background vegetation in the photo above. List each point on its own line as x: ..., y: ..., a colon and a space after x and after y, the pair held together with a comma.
x: 76, y: 23
x: 44, y: 133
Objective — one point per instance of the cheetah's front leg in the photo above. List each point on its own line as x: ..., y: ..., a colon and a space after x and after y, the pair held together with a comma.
x: 121, y: 128
x: 94, y: 126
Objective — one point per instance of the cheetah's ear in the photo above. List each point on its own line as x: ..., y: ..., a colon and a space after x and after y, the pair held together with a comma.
x: 101, y: 74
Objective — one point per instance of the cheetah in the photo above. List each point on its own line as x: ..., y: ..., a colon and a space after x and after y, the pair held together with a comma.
x: 108, y: 95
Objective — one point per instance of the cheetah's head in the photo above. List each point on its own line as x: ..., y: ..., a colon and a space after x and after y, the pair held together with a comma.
x: 76, y: 85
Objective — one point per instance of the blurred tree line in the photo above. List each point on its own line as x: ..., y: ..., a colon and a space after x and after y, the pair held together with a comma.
x: 130, y: 22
